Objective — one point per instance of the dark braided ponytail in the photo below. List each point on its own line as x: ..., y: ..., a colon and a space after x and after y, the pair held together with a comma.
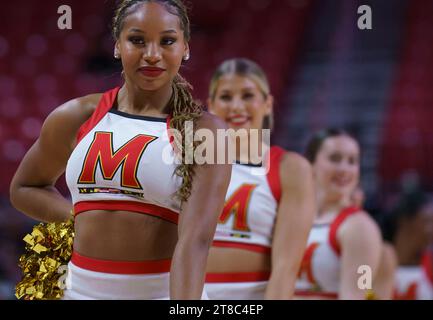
x: 184, y: 109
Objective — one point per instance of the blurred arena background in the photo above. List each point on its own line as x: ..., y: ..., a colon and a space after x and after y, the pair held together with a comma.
x: 323, y: 71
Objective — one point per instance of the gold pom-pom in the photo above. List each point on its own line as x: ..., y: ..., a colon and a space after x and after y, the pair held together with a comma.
x: 48, y: 247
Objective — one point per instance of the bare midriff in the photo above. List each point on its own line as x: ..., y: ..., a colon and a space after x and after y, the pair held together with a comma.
x: 234, y: 260
x: 124, y: 236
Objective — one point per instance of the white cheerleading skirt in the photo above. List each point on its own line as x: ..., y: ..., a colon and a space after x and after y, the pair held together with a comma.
x: 109, y: 280
x: 82, y: 284
x: 237, y: 286
x: 236, y: 290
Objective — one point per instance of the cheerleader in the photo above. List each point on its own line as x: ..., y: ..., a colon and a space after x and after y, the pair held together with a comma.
x: 269, y: 207
x: 345, y: 246
x: 143, y: 221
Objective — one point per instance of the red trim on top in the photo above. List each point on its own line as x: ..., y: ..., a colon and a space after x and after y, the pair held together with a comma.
x: 343, y: 215
x: 427, y: 264
x: 104, y: 105
x: 305, y: 293
x: 245, y: 246
x: 121, y: 267
x: 145, y: 208
x: 238, y: 277
x: 273, y: 176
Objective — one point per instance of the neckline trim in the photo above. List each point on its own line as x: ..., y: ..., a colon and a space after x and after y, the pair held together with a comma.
x: 249, y: 164
x: 138, y: 117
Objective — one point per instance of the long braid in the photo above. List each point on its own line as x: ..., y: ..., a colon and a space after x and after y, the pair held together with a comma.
x: 185, y: 108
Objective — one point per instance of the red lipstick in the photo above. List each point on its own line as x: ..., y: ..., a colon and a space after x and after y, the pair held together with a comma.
x: 151, y: 72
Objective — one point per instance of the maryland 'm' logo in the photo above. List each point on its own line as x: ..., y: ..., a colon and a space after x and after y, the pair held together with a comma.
x: 237, y: 205
x: 409, y: 294
x: 306, y: 264
x: 127, y: 156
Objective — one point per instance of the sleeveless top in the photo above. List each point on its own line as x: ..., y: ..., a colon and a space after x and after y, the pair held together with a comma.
x: 251, y: 205
x: 319, y: 275
x: 123, y: 162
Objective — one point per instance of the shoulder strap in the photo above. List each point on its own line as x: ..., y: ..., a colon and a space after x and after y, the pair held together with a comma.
x: 273, y: 175
x: 342, y: 216
x: 104, y: 105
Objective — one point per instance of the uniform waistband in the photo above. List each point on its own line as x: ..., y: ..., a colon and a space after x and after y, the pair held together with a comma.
x: 238, y: 277
x: 121, y: 267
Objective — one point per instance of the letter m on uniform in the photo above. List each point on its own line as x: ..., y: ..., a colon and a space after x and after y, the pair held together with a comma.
x: 126, y: 157
x: 237, y: 205
x: 307, y: 263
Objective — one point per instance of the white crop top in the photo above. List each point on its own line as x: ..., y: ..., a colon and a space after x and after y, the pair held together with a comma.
x: 319, y: 275
x: 251, y: 204
x: 123, y: 162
